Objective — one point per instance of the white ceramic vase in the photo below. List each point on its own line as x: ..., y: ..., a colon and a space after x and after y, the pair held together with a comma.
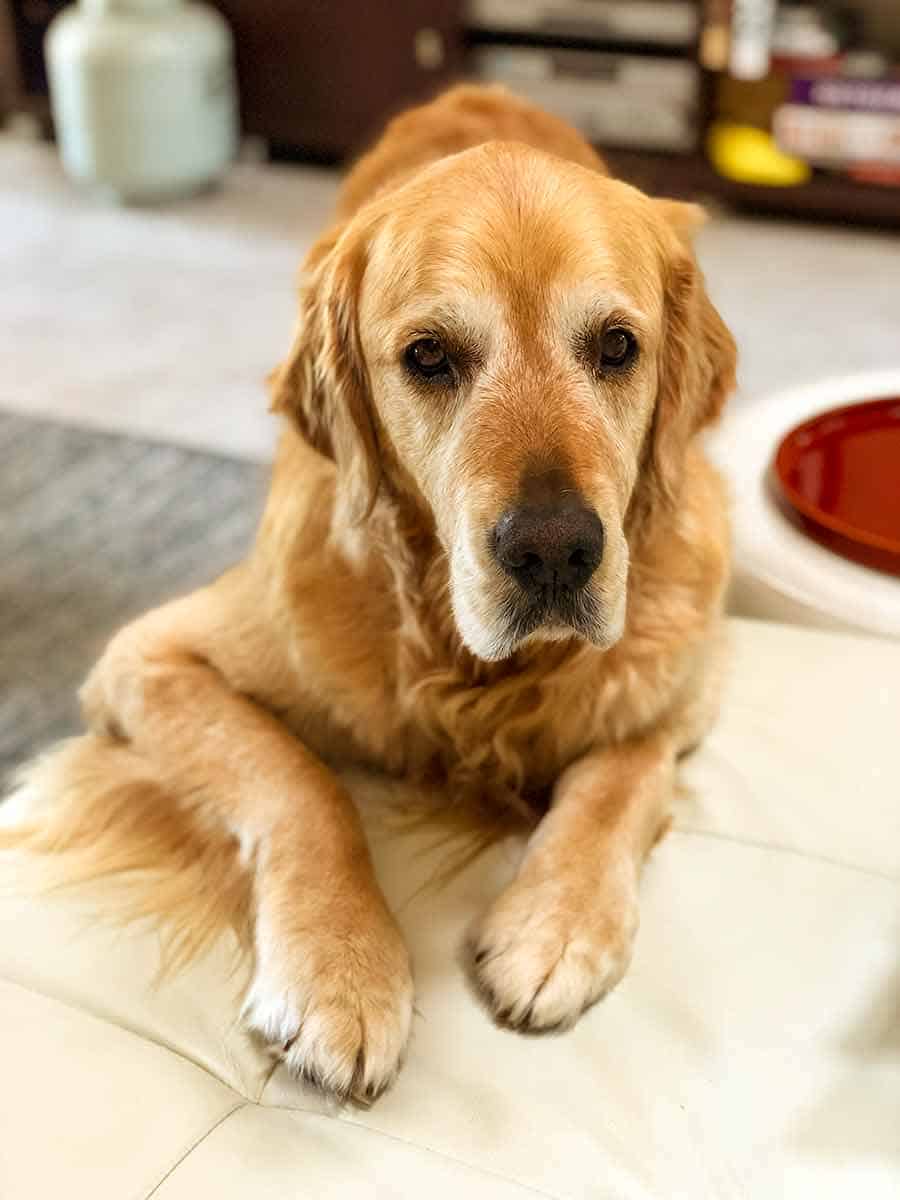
x: 143, y: 95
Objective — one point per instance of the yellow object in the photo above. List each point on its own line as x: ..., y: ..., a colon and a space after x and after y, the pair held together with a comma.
x: 750, y: 155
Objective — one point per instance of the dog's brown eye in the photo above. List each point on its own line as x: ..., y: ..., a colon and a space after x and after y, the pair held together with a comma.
x: 617, y: 347
x: 428, y: 357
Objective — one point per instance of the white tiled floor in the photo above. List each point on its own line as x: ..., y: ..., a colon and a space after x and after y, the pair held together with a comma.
x: 158, y: 321
x: 165, y: 321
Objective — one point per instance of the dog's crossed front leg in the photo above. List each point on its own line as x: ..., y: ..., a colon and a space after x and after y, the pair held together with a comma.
x: 561, y: 935
x: 332, y: 991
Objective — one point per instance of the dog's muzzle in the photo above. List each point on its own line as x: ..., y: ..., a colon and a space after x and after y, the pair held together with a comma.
x: 551, y: 550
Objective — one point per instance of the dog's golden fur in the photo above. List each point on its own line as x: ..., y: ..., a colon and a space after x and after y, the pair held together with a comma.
x: 366, y: 626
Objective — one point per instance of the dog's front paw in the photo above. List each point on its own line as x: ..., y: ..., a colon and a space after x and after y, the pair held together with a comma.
x: 336, y: 1006
x: 548, y: 949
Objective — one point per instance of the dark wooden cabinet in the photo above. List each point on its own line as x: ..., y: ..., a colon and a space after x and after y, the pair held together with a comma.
x: 321, y: 76
x: 31, y: 19
x: 23, y: 76
x: 315, y: 76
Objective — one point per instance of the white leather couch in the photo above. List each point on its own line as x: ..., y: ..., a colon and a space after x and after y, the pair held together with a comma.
x: 752, y: 1052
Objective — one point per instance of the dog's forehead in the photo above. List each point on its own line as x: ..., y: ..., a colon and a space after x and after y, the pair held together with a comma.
x: 526, y: 235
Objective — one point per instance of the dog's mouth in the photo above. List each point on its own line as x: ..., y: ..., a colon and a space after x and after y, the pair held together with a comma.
x: 496, y: 615
x: 554, y: 611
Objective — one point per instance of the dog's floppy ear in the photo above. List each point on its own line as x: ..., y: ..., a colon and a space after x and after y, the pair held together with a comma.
x: 323, y: 384
x: 697, y: 368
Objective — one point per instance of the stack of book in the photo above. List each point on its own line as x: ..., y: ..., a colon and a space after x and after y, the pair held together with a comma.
x: 846, y: 123
x: 812, y: 77
x: 635, y: 22
x: 623, y: 71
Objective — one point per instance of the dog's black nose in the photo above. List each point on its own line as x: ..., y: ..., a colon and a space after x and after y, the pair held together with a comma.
x: 541, y: 545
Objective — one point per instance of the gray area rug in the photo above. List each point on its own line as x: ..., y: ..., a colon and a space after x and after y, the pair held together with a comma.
x: 94, y: 529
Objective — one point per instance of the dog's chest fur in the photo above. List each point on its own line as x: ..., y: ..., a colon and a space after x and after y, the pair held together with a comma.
x: 508, y: 737
x: 497, y: 734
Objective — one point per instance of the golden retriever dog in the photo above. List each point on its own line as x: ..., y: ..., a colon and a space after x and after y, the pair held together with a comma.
x: 492, y: 562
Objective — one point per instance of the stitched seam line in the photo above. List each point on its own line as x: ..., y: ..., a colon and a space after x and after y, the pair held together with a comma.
x: 70, y: 1006
x: 247, y: 1102
x: 441, y: 1154
x: 753, y: 844
x: 261, y: 1091
x: 193, y: 1146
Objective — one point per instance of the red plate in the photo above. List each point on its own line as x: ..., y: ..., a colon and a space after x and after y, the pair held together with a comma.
x: 838, y: 477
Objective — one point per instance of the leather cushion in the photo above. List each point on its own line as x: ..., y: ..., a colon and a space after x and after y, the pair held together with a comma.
x: 752, y: 1051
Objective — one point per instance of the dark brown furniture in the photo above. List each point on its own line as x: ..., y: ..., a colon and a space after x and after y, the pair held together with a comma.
x: 315, y: 76
x: 23, y: 78
x: 323, y: 75
x: 317, y: 79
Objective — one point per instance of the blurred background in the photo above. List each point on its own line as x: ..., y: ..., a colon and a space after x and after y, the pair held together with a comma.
x: 164, y: 166
x: 756, y: 108
x: 751, y: 106
x: 784, y: 106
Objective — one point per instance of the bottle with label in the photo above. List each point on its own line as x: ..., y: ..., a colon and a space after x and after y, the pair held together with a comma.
x: 143, y: 95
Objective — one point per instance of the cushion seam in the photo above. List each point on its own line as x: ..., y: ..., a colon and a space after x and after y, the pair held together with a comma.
x: 198, y: 1141
x: 247, y: 1102
x: 143, y: 1037
x: 421, y: 1146
x: 810, y: 856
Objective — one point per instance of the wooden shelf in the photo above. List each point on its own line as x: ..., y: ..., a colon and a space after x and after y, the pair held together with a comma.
x: 680, y: 176
x: 290, y: 98
x: 824, y: 198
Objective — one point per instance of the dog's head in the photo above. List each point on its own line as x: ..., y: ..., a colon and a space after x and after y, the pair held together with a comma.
x: 521, y: 346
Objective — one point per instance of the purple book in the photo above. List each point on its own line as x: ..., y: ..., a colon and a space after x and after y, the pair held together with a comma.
x: 860, y: 95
